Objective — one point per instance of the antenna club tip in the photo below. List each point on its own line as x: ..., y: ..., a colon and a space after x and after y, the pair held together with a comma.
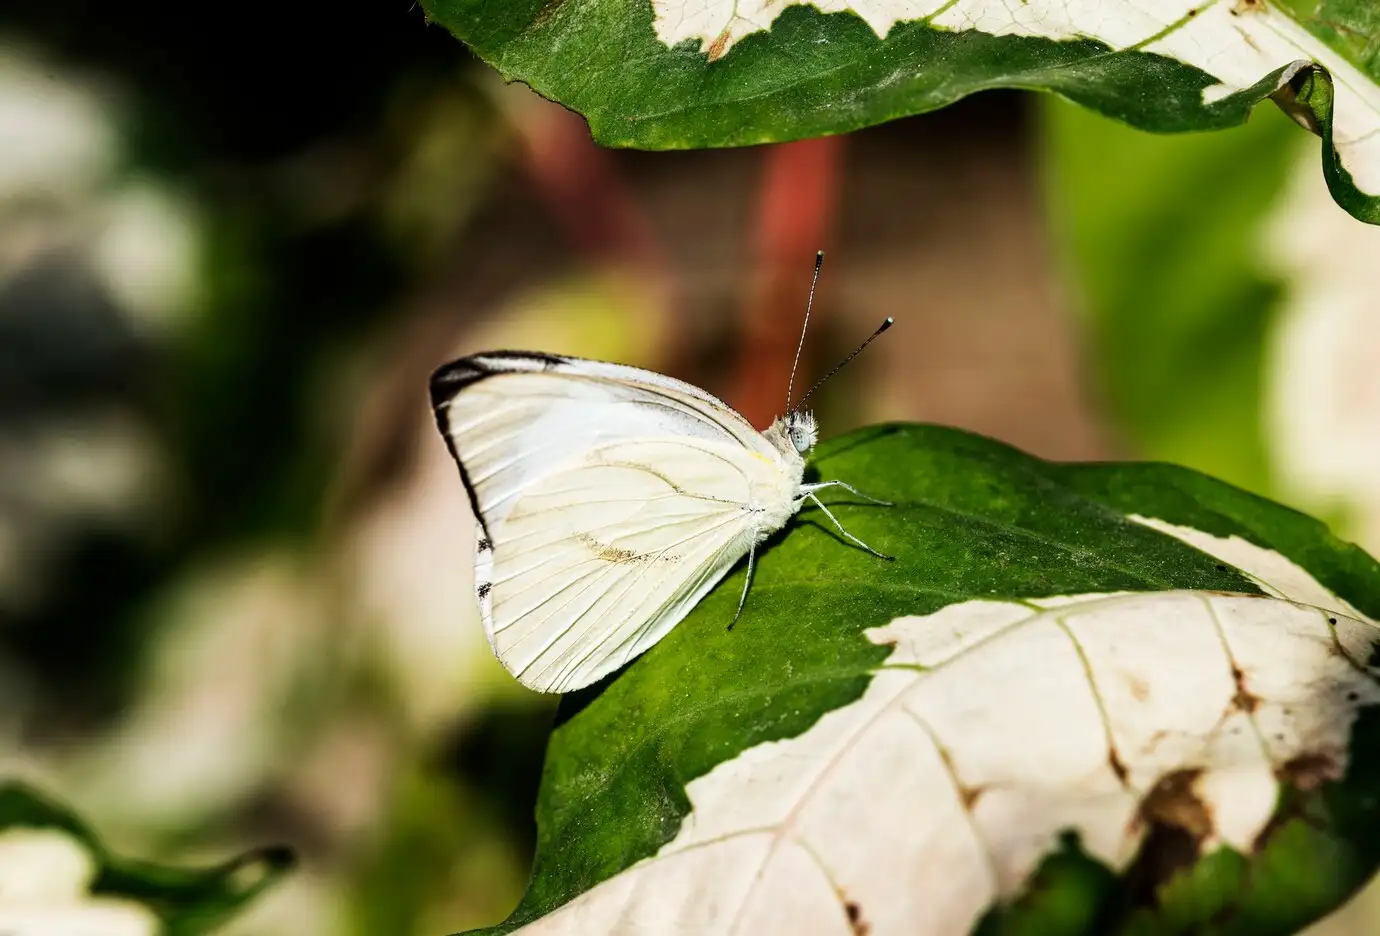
x: 889, y: 322
x: 819, y: 257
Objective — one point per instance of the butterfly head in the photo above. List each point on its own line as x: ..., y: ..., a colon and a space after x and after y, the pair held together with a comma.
x: 802, y: 430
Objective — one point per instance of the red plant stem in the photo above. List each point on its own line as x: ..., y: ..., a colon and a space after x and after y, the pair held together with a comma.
x: 795, y: 212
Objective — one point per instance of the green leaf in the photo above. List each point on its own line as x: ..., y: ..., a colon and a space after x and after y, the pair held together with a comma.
x: 1237, y: 341
x: 675, y: 73
x: 55, y: 876
x: 1178, y: 341
x: 1083, y: 699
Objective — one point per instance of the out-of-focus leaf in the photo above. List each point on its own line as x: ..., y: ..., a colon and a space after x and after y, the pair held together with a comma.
x: 56, y: 877
x: 1241, y: 341
x: 1322, y: 363
x: 1176, y: 297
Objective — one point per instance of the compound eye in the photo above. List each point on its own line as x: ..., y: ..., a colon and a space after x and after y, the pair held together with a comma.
x: 794, y: 431
x: 800, y: 429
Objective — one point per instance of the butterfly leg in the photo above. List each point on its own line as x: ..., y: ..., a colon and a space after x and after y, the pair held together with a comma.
x: 821, y: 485
x: 752, y: 559
x: 810, y: 495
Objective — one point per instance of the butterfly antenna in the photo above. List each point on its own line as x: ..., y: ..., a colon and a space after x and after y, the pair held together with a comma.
x: 856, y: 351
x: 790, y: 387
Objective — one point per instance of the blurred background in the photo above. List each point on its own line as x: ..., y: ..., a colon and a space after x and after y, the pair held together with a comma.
x: 235, y: 593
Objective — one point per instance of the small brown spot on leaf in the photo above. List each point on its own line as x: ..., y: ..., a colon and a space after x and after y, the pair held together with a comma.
x: 718, y: 47
x: 855, y: 918
x: 1304, y: 773
x: 1138, y: 687
x: 1287, y: 99
x: 546, y: 14
x: 1114, y: 761
x: 1310, y: 770
x: 1248, y: 6
x: 1244, y: 700
x: 1223, y: 593
x: 1176, y: 823
x: 1174, y: 801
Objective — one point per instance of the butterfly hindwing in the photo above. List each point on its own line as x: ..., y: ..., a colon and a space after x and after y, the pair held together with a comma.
x: 578, y: 590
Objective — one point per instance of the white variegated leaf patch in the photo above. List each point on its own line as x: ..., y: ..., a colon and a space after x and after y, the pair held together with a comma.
x: 995, y: 728
x: 45, y: 882
x: 1238, y: 42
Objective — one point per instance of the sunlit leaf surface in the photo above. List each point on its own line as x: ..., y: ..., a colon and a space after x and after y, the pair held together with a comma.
x: 1083, y: 699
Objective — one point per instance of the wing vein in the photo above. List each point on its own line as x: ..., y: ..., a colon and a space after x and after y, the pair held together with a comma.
x: 615, y: 603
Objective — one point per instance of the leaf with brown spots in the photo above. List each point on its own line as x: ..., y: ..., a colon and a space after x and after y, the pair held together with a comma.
x: 1084, y: 699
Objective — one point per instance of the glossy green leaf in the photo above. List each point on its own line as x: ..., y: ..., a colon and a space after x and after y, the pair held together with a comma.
x: 56, y: 876
x: 673, y: 73
x: 1183, y: 599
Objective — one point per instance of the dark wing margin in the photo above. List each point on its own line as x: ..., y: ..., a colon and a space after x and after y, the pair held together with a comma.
x: 450, y: 379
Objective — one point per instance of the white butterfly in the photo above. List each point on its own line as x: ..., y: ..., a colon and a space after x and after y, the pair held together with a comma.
x: 609, y: 500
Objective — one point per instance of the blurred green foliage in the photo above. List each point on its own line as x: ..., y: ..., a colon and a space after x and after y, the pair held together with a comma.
x: 186, y: 903
x: 1162, y: 240
x: 322, y: 168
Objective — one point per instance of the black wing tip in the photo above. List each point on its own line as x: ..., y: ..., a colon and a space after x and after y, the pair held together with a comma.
x: 449, y: 379
x: 548, y: 360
